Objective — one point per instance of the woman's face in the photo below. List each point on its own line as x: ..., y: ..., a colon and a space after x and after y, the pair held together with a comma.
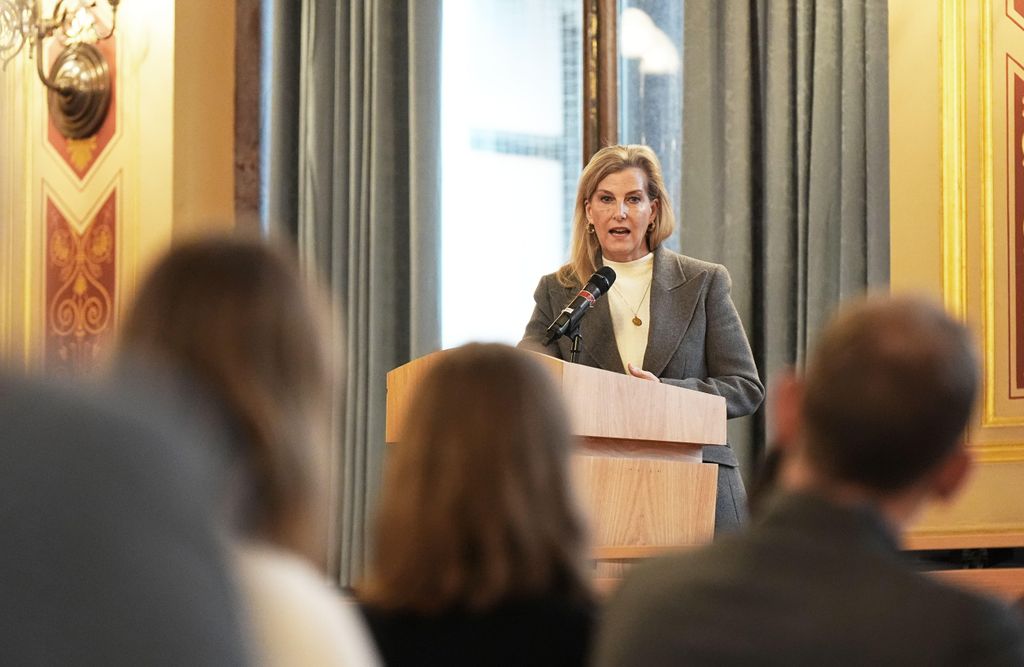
x: 621, y: 211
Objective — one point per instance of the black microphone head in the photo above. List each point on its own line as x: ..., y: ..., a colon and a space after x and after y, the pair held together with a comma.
x: 605, y: 276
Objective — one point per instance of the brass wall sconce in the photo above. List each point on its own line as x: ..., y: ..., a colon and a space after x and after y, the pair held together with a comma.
x: 79, y: 81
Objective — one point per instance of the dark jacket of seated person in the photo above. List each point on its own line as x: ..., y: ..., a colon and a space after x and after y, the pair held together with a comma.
x: 480, y: 551
x: 811, y: 582
x: 539, y: 631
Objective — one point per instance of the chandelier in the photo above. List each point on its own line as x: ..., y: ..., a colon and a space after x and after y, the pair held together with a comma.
x: 78, y: 84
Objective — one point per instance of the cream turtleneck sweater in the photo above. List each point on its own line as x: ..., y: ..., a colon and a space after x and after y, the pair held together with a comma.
x: 630, y: 297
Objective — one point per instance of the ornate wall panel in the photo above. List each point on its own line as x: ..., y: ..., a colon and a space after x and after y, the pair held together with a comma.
x: 81, y: 284
x: 1000, y: 226
x: 79, y: 216
x: 1015, y: 12
x: 143, y: 171
x: 15, y: 290
x: 1015, y: 221
x: 956, y: 132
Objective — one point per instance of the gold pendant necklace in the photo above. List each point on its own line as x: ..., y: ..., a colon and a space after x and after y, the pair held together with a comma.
x: 636, y: 311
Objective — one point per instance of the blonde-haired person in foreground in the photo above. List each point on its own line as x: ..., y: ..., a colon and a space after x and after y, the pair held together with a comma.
x: 480, y: 550
x: 872, y: 432
x: 237, y: 319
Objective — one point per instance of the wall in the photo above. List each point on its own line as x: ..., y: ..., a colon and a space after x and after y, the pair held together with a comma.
x: 82, y: 220
x: 953, y: 222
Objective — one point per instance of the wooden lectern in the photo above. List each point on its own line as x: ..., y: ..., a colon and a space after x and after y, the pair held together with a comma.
x: 637, y: 469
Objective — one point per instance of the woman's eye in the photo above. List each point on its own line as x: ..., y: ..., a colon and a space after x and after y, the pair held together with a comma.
x: 634, y: 200
x: 605, y: 199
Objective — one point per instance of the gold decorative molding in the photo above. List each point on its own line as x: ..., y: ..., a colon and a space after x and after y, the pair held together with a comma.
x: 970, y: 537
x: 995, y: 373
x: 1009, y: 453
x: 952, y: 48
x: 590, y: 87
x: 81, y: 151
x: 988, y: 326
x: 991, y: 376
x: 600, y: 76
x: 18, y: 292
x: 948, y: 226
x: 967, y: 223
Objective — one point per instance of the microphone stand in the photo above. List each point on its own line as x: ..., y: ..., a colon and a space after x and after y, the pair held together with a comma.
x: 577, y: 344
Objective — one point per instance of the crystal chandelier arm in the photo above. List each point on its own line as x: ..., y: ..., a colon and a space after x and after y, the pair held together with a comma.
x: 113, y: 22
x: 13, y: 19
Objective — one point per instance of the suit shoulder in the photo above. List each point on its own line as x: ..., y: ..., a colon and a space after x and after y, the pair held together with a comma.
x: 550, y: 282
x: 550, y: 279
x: 692, y: 265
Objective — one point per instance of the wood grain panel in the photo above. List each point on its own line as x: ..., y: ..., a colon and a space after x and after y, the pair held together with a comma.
x: 657, y: 411
x: 643, y: 502
x: 401, y: 384
x: 964, y: 540
x: 1004, y: 583
x: 649, y: 449
x: 601, y: 404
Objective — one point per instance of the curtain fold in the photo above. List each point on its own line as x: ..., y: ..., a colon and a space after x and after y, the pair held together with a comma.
x: 279, y: 102
x: 785, y: 169
x: 368, y: 169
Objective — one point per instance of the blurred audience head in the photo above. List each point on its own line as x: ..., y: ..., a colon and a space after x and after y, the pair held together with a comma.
x: 476, y: 507
x: 111, y: 554
x: 886, y: 398
x: 239, y: 319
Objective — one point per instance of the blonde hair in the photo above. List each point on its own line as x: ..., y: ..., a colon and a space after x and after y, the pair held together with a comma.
x: 585, y: 250
x: 476, y: 507
x: 237, y: 317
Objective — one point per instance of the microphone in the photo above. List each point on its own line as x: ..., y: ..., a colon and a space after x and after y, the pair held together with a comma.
x: 596, y: 287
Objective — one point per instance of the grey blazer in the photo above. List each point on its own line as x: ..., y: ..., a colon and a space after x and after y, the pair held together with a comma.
x: 696, y: 341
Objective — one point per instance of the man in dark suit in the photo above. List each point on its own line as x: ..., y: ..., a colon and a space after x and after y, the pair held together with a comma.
x: 111, y: 550
x: 872, y: 432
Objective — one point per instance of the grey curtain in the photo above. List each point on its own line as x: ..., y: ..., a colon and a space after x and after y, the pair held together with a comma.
x: 279, y: 92
x: 785, y: 165
x: 364, y: 177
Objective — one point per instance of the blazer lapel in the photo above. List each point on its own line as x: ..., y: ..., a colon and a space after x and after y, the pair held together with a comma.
x: 673, y: 298
x: 599, y: 337
x: 596, y: 326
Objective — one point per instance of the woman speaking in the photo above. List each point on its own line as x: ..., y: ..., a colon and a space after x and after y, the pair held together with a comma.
x: 667, y: 317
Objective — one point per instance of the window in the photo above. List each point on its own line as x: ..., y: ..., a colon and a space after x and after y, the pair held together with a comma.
x: 510, y: 155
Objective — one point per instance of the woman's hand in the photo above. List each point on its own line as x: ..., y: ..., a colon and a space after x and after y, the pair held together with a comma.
x: 641, y: 373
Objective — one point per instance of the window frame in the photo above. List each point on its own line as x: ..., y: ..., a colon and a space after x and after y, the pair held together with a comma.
x: 600, y: 76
